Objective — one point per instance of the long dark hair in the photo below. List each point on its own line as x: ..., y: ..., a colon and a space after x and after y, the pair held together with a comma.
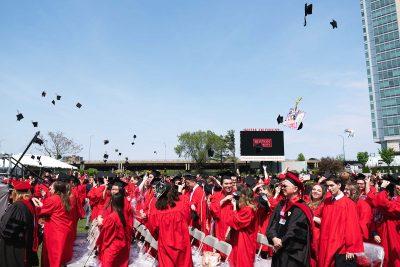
x: 117, y: 204
x: 60, y: 188
x: 167, y: 199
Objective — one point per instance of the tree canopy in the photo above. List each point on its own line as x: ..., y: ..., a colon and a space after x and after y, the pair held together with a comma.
x: 387, y: 155
x: 57, y: 145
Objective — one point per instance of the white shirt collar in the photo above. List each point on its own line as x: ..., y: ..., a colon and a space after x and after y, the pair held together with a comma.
x: 339, y: 196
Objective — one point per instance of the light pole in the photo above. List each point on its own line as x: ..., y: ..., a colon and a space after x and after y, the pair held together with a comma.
x: 344, y: 153
x: 90, y: 144
x: 165, y: 151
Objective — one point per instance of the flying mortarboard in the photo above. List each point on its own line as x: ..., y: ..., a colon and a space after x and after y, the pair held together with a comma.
x: 105, y: 156
x: 155, y: 152
x: 307, y: 11
x: 132, y: 143
x: 53, y: 102
x: 58, y: 97
x: 105, y: 161
x: 78, y: 105
x: 334, y: 24
x: 33, y: 157
x: 134, y: 136
x: 35, y: 124
x: 106, y: 141
x: 38, y: 157
x: 119, y: 154
x: 19, y: 116
x: 44, y: 94
x: 116, y: 150
x: 279, y: 119
x: 38, y: 141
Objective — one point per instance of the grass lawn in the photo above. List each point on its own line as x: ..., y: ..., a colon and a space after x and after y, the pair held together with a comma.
x: 81, y: 229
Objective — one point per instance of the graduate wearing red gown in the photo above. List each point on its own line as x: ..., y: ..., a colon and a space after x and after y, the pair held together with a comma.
x: 197, y: 198
x: 340, y: 228
x: 114, y: 239
x: 387, y: 225
x: 97, y: 199
x: 58, y: 227
x: 365, y: 216
x: 170, y: 224
x: 220, y: 212
x: 243, y: 233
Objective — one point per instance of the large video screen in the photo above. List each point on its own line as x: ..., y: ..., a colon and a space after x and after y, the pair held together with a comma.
x: 262, y: 145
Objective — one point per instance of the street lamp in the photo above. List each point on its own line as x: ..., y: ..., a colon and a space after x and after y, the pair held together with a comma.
x: 344, y: 153
x: 165, y: 151
x: 90, y: 144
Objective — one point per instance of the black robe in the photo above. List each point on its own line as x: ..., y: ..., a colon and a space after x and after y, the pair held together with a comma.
x: 16, y: 236
x: 295, y: 235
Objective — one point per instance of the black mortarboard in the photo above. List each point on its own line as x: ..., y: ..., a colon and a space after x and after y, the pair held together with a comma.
x: 78, y: 105
x: 116, y: 150
x: 38, y: 157
x: 334, y: 24
x: 279, y: 119
x: 33, y: 157
x: 43, y: 94
x: 119, y: 154
x: 210, y: 152
x: 53, y: 102
x: 35, y: 124
x: 58, y: 97
x: 300, y: 126
x: 105, y: 156
x: 19, y: 116
x: 105, y: 161
x: 132, y: 143
x: 250, y: 181
x: 155, y: 152
x: 307, y: 11
x: 106, y: 142
x: 134, y: 136
x: 38, y: 141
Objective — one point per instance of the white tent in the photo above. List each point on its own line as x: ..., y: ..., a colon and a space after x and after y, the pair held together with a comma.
x: 47, y: 162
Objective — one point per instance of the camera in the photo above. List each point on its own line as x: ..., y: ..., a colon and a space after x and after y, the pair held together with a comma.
x: 236, y: 195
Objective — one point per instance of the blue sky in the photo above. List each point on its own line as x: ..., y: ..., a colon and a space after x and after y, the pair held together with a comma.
x: 159, y: 68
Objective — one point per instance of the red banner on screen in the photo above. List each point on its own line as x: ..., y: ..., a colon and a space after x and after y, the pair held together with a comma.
x: 264, y: 142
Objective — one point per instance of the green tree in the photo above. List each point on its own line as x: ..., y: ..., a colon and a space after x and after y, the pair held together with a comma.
x: 331, y: 165
x: 197, y: 145
x: 301, y: 157
x: 362, y: 157
x: 387, y: 155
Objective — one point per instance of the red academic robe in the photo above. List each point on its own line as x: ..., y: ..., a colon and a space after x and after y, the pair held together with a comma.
x: 387, y: 225
x: 113, y: 242
x: 198, y: 199
x: 172, y: 228
x: 37, y: 191
x: 96, y: 201
x: 243, y: 237
x: 317, y: 212
x: 57, y: 229
x: 365, y: 216
x: 219, y: 214
x: 340, y: 231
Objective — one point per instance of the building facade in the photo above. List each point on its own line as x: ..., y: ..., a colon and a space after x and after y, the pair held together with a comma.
x: 380, y: 21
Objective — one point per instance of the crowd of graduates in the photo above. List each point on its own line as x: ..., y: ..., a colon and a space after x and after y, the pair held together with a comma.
x: 309, y: 220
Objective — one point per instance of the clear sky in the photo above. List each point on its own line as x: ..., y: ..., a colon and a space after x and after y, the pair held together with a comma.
x: 159, y: 68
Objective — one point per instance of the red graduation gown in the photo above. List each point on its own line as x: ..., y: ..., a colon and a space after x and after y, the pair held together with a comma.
x: 387, y: 225
x: 340, y: 231
x: 317, y: 212
x: 198, y: 199
x: 219, y: 214
x: 113, y: 242
x: 96, y: 201
x: 365, y: 216
x: 172, y: 228
x: 57, y: 229
x: 243, y: 237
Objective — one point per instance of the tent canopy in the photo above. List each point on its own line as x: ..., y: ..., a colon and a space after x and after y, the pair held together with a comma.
x: 47, y: 162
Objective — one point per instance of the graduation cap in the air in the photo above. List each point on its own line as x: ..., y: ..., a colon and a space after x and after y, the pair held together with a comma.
x: 116, y: 150
x: 105, y: 161
x: 33, y: 157
x: 105, y: 156
x: 19, y: 116
x: 155, y: 152
x: 44, y: 94
x: 38, y: 141
x: 53, y: 102
x: 78, y: 105
x: 106, y: 141
x: 279, y: 119
x: 35, y: 124
x: 134, y: 136
x: 58, y: 97
x: 132, y: 143
x: 334, y: 24
x: 307, y: 11
x: 38, y: 157
x: 119, y: 154
x: 126, y: 158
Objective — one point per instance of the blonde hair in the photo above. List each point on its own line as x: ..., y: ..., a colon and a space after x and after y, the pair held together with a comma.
x: 20, y: 195
x: 246, y: 198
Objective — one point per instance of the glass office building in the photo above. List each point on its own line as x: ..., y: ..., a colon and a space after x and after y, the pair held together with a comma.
x: 380, y: 21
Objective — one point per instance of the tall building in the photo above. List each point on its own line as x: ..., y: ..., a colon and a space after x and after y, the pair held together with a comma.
x: 380, y: 21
